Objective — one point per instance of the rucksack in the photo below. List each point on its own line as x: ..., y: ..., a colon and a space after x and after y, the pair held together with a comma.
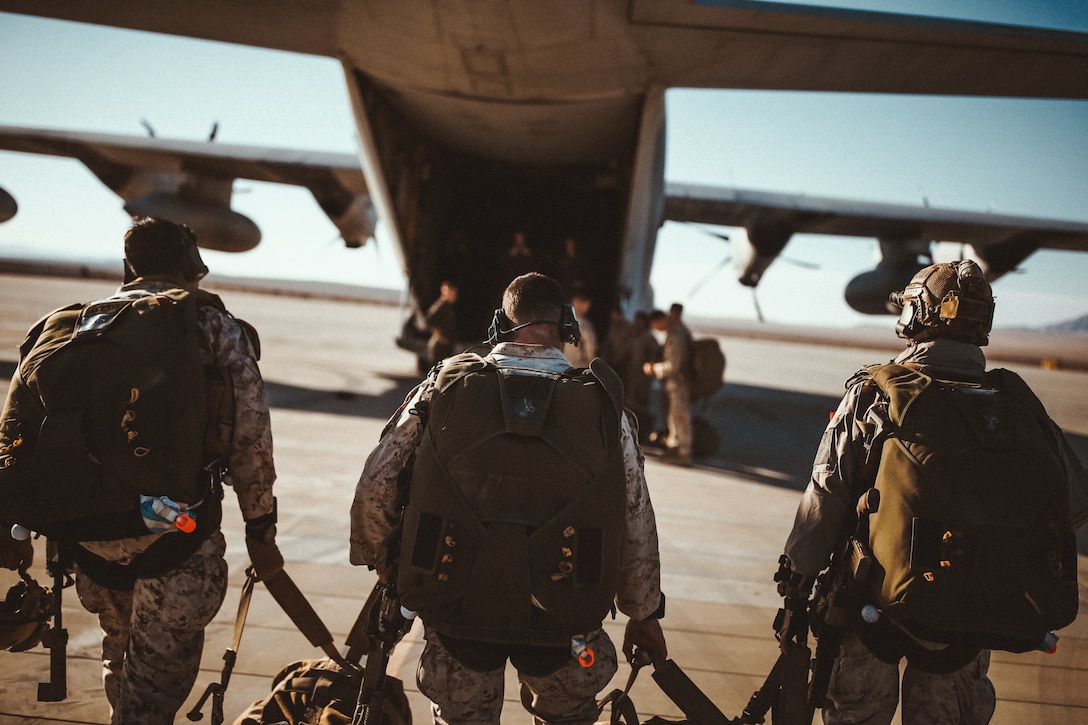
x: 972, y: 539
x: 109, y: 402
x: 513, y: 527
x: 321, y: 692
x: 707, y: 367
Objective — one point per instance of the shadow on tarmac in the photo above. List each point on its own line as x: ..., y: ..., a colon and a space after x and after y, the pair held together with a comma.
x: 764, y: 435
x: 341, y: 402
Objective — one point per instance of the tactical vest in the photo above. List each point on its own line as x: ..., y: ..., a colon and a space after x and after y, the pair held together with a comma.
x: 516, y: 506
x: 109, y: 402
x: 972, y: 536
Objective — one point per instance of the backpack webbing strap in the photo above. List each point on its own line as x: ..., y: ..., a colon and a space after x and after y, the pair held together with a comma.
x: 623, y: 709
x: 216, y: 690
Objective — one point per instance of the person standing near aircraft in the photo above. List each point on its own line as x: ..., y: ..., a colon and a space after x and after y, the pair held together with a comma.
x: 155, y: 593
x: 947, y: 310
x: 551, y: 493
x: 637, y: 385
x: 582, y: 354
x: 675, y: 371
x: 572, y: 271
x: 442, y: 322
x: 519, y: 258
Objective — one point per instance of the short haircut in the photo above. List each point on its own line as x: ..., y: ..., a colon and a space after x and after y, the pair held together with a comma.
x: 157, y: 246
x: 533, y: 297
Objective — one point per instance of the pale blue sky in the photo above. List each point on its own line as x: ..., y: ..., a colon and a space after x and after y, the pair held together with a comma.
x: 1011, y: 156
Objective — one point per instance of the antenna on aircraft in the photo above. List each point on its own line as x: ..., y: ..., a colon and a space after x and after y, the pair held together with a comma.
x: 147, y: 125
x: 215, y: 130
x: 925, y: 196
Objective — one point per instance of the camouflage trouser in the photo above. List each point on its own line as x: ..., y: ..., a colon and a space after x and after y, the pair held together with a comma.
x: 460, y: 696
x: 865, y: 690
x: 678, y: 391
x: 153, y: 635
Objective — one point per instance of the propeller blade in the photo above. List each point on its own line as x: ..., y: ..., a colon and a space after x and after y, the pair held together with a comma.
x: 713, y: 273
x: 710, y: 232
x: 755, y: 302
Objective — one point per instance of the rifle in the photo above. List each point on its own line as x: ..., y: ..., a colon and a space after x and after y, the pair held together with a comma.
x: 836, y: 604
x: 789, y: 692
x: 55, y: 639
x: 379, y: 627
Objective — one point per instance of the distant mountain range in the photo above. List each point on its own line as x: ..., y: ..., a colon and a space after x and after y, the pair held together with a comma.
x: 1069, y: 327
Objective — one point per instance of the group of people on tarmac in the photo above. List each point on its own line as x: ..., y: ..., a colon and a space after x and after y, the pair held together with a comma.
x: 508, y: 502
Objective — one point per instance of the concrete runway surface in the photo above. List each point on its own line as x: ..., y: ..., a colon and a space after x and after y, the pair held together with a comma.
x: 334, y: 376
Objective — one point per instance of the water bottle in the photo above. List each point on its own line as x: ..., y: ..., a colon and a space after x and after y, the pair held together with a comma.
x: 1049, y: 644
x: 582, y: 652
x: 162, y: 508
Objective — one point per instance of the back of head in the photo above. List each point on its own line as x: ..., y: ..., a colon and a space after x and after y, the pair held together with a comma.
x: 533, y: 299
x: 157, y: 247
x: 950, y: 300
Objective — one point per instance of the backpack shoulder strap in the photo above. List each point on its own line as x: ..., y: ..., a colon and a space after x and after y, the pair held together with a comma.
x: 454, y: 368
x: 35, y: 332
x: 900, y: 385
x: 608, y: 378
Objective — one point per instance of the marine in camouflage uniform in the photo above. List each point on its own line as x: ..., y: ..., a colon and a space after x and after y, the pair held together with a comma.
x: 675, y: 371
x: 461, y: 694
x: 864, y: 689
x: 153, y: 634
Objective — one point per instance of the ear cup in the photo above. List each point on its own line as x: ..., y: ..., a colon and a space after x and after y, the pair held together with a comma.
x: 501, y: 329
x: 569, y: 330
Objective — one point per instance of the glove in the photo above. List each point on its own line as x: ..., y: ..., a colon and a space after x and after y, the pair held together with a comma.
x: 644, y: 636
x: 15, y: 553
x: 261, y: 543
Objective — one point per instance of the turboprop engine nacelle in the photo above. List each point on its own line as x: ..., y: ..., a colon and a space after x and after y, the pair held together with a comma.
x: 216, y: 227
x: 900, y: 260
x: 8, y: 207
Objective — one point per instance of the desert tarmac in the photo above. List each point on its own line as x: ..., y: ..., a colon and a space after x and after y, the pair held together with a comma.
x: 334, y: 375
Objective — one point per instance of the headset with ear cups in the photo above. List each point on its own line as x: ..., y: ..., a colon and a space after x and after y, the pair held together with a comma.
x: 502, y: 329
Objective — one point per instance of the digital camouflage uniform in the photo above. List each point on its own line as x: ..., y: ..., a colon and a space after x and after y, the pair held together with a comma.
x: 460, y: 695
x: 675, y: 371
x: 153, y: 636
x: 864, y: 689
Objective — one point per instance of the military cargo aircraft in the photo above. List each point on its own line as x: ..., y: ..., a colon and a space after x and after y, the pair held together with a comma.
x: 477, y: 120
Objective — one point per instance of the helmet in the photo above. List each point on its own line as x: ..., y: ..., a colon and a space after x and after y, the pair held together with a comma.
x: 951, y: 300
x: 24, y: 614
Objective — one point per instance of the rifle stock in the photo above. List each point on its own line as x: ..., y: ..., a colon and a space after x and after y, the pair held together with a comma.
x: 56, y: 638
x: 836, y: 602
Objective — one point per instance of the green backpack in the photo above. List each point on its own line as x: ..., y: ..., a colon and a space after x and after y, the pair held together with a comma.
x: 517, y: 497
x: 972, y: 536
x: 109, y: 402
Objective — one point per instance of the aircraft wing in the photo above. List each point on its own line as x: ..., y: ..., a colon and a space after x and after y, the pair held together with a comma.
x: 192, y: 181
x: 534, y: 50
x: 998, y: 242
x: 761, y: 211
